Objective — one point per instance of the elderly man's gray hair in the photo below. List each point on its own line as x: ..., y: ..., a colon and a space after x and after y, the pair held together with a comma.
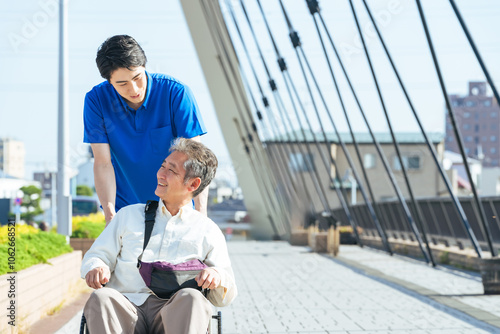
x: 201, y: 161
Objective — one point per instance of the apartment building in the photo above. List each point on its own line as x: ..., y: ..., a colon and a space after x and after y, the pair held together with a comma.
x: 478, y: 119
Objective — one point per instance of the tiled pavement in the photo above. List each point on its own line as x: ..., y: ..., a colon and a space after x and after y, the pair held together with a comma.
x: 286, y: 289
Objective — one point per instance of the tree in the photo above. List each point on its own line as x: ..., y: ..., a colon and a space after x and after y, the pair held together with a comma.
x: 31, y: 203
x: 83, y: 190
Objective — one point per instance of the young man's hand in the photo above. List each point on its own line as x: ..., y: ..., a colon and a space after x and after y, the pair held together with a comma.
x: 109, y: 213
x: 208, y: 278
x: 97, y: 277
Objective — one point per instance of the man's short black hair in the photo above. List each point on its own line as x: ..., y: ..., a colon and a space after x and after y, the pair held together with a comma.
x: 120, y: 51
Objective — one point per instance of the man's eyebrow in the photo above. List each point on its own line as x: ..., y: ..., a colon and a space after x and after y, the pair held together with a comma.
x: 128, y: 80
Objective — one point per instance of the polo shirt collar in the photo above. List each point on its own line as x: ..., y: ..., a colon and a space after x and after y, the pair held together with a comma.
x: 148, y: 90
x: 182, y: 212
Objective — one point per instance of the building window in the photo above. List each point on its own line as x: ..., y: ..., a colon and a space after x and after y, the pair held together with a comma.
x: 411, y: 162
x: 467, y: 150
x: 493, y: 126
x: 468, y: 139
x: 476, y: 116
x: 476, y: 128
x: 470, y: 103
x: 466, y: 126
x: 487, y: 103
x: 449, y: 139
x: 485, y: 138
x: 301, y: 163
x: 494, y: 162
x: 466, y: 114
x: 494, y: 114
x: 493, y: 138
x: 476, y: 139
x: 448, y: 126
x: 369, y: 161
x: 493, y: 150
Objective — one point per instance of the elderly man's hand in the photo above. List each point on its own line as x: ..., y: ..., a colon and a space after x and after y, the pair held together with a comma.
x: 208, y: 278
x: 97, y: 277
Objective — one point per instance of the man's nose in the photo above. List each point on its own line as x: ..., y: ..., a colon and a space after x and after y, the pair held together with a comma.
x: 135, y: 88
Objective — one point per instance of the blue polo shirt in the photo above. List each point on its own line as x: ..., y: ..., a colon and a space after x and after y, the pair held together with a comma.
x: 139, y: 140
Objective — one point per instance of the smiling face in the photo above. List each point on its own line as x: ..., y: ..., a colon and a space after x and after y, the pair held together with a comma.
x: 171, y: 187
x: 130, y: 84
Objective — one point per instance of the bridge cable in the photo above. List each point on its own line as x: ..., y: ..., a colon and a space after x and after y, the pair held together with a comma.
x: 294, y: 37
x: 476, y: 51
x: 279, y: 196
x: 289, y: 83
x: 243, y: 138
x: 458, y: 136
x: 288, y: 181
x: 347, y: 118
x: 379, y: 151
x: 281, y: 158
x: 285, y: 218
x: 217, y: 37
x: 418, y: 216
x: 445, y: 178
x: 377, y: 146
x: 314, y: 8
x: 242, y: 94
x: 288, y: 133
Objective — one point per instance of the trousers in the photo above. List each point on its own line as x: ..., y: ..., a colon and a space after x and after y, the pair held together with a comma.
x: 186, y: 312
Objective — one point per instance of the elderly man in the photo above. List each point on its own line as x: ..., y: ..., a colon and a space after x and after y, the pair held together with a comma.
x: 180, y: 234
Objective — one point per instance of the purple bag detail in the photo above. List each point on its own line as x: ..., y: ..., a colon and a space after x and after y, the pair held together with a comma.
x: 146, y: 268
x: 165, y: 279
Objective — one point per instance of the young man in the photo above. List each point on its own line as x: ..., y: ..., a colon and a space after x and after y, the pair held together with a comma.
x: 180, y: 234
x: 130, y: 121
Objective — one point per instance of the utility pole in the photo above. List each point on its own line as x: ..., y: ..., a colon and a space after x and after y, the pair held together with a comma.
x: 63, y: 195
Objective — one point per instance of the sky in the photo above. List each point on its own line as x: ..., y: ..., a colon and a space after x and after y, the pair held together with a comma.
x: 402, y: 30
x: 29, y: 55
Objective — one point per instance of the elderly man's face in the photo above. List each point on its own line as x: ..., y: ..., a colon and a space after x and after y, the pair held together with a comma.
x: 171, y: 187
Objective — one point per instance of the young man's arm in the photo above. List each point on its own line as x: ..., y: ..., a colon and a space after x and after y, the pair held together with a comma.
x: 201, y: 201
x: 104, y: 179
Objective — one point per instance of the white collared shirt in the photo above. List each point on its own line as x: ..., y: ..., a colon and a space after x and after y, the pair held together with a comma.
x: 175, y: 239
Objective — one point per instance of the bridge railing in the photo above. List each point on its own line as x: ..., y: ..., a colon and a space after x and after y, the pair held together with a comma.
x: 441, y: 222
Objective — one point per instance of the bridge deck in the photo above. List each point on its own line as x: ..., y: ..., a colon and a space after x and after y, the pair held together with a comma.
x: 286, y: 289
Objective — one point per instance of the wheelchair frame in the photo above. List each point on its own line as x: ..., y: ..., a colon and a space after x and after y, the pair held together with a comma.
x: 218, y: 317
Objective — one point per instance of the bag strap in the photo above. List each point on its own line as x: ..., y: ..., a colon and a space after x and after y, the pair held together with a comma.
x: 149, y: 215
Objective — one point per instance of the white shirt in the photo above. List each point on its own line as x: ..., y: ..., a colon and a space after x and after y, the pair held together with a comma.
x: 186, y: 236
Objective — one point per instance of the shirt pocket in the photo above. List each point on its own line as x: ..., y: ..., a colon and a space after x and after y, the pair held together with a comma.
x: 161, y: 139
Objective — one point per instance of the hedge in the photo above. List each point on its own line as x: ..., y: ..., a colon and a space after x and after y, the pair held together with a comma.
x: 90, y: 226
x: 31, y: 246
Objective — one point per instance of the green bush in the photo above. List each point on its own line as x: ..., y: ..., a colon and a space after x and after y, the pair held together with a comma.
x: 32, y: 247
x: 83, y: 190
x: 88, y: 229
x: 89, y: 226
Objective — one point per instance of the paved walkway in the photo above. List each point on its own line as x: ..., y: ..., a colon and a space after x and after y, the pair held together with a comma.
x: 286, y: 289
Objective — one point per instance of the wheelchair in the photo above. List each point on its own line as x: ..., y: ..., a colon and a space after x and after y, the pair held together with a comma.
x: 218, y: 317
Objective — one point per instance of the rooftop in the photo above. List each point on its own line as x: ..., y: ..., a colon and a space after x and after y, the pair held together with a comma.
x: 362, y: 137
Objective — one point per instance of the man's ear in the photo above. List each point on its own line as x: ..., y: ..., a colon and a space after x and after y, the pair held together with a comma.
x: 194, y: 184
